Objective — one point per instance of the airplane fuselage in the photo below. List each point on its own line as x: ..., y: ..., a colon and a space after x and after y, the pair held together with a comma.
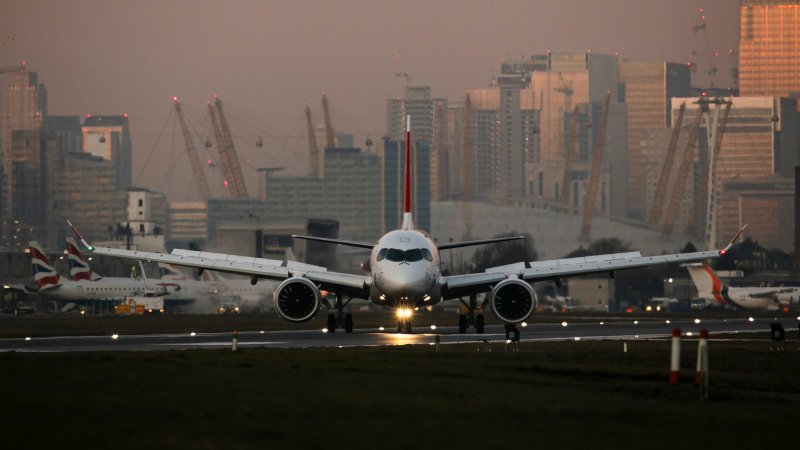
x: 104, y: 289
x: 404, y: 265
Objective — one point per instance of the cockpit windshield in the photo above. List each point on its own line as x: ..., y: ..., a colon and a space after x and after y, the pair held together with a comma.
x: 397, y: 255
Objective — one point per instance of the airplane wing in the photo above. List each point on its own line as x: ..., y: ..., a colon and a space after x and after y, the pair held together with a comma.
x: 272, y: 269
x: 335, y: 241
x: 461, y: 285
x: 450, y: 245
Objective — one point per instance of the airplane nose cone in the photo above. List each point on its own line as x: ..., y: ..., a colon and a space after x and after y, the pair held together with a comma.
x: 405, y: 280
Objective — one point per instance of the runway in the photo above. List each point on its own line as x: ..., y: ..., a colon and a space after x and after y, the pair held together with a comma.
x: 618, y: 330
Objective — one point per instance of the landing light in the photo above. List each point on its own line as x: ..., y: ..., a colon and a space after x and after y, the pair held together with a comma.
x: 404, y: 313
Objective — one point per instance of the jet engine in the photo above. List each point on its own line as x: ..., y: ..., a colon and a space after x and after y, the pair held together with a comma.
x: 512, y: 300
x: 297, y: 299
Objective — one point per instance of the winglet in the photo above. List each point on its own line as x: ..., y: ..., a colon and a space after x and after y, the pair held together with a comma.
x: 78, y: 235
x: 733, y: 241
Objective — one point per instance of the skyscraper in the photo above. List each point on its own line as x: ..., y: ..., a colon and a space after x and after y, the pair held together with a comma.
x: 109, y: 138
x: 25, y: 110
x: 769, y: 48
x: 648, y: 88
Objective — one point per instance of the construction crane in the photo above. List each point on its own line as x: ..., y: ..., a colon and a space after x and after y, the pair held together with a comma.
x: 330, y: 140
x: 569, y: 158
x: 666, y: 169
x: 594, y: 174
x: 221, y: 149
x: 191, y: 151
x: 467, y: 171
x: 683, y: 173
x: 239, y: 187
x: 11, y: 69
x: 313, y: 149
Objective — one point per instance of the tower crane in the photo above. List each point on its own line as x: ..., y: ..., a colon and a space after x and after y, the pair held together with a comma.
x: 191, y: 151
x: 710, y: 179
x: 569, y: 158
x: 683, y: 173
x: 221, y: 149
x: 11, y: 69
x: 666, y: 169
x: 239, y: 187
x: 330, y: 140
x: 313, y: 149
x: 594, y: 174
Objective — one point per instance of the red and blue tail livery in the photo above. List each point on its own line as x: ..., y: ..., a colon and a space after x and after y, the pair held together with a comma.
x: 78, y: 267
x: 44, y: 274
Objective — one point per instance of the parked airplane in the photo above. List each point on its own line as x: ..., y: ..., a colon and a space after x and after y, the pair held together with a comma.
x: 711, y: 288
x: 50, y: 283
x: 78, y: 267
x: 404, y: 274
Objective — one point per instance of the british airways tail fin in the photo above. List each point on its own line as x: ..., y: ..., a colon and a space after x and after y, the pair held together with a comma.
x: 78, y: 267
x: 408, y: 219
x: 44, y: 274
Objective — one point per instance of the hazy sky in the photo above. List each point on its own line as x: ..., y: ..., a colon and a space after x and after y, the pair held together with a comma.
x: 267, y: 58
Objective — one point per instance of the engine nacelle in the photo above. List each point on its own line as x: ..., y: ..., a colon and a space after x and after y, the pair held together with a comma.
x: 297, y: 299
x: 512, y: 300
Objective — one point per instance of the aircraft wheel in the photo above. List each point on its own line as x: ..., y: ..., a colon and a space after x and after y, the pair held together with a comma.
x: 348, y: 323
x: 462, y: 323
x: 331, y: 323
x: 479, y: 324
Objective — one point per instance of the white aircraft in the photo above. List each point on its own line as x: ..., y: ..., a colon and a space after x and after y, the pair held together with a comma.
x: 50, y: 283
x: 711, y: 288
x: 404, y: 274
x: 217, y: 289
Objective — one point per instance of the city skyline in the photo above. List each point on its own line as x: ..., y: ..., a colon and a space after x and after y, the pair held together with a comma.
x: 114, y: 58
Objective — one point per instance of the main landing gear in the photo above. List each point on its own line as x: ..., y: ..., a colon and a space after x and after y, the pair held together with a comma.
x: 472, y: 317
x: 340, y: 319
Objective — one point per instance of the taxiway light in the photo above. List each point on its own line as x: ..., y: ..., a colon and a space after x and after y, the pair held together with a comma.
x: 433, y: 327
x: 668, y: 321
x: 577, y: 338
x: 750, y: 319
x: 563, y: 324
x: 636, y: 322
x: 696, y: 320
x: 115, y: 336
x: 508, y: 341
x: 192, y: 333
x: 688, y: 333
x: 380, y: 328
x: 602, y: 323
x: 27, y: 338
x: 324, y: 330
x: 261, y: 332
x: 525, y: 324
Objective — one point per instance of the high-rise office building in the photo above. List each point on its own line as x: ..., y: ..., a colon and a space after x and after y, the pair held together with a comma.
x: 68, y: 130
x: 769, y: 48
x: 648, y: 88
x: 109, y: 137
x: 426, y: 125
x: 25, y: 110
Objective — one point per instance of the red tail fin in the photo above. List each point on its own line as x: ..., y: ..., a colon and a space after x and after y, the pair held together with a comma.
x: 408, y: 221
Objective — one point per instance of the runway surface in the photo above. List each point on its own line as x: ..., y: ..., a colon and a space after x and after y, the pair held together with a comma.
x: 622, y: 330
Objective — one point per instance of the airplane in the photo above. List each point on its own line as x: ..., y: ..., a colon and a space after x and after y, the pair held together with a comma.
x: 218, y: 289
x: 78, y: 267
x: 711, y: 288
x: 404, y: 274
x: 50, y: 283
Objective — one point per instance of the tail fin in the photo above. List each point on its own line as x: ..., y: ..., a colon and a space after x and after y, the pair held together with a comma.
x: 708, y: 284
x: 168, y: 272
x: 44, y: 274
x: 78, y: 267
x: 408, y: 219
